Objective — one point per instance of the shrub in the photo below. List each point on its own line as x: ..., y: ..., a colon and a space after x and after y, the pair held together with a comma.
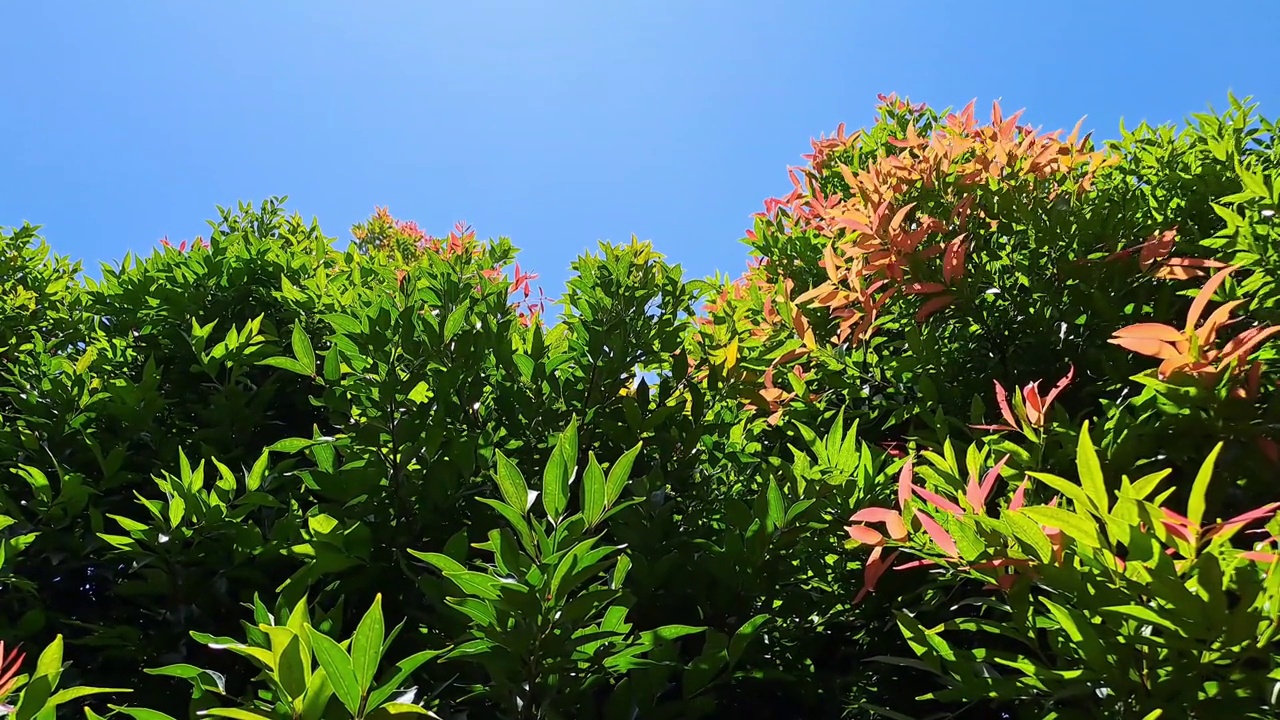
x: 613, y: 505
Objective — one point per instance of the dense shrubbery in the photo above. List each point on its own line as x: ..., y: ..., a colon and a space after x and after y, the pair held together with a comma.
x: 262, y: 477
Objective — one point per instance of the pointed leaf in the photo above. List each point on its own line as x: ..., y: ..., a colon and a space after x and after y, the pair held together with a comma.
x: 512, y: 485
x: 337, y: 666
x: 619, y: 474
x: 366, y: 645
x: 1200, y: 488
x: 1091, y: 471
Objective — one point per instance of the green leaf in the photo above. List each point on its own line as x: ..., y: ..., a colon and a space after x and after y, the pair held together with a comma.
x: 291, y: 445
x: 202, y: 679
x: 512, y: 485
x: 1091, y: 471
x: 1145, y: 614
x: 235, y: 714
x: 75, y: 693
x: 404, y: 669
x: 343, y: 323
x: 743, y: 637
x: 593, y: 491
x: 1200, y: 488
x: 141, y: 713
x: 517, y: 521
x: 776, y: 506
x: 396, y: 709
x: 366, y: 645
x: 1076, y: 526
x: 619, y: 474
x: 289, y: 364
x: 667, y: 633
x: 292, y: 670
x: 316, y: 700
x: 332, y: 365
x: 442, y: 562
x: 259, y: 472
x: 454, y: 323
x: 50, y: 662
x: 1027, y: 532
x: 337, y: 666
x: 35, y: 695
x: 1074, y: 492
x: 302, y: 349
x: 477, y: 584
x: 555, y: 483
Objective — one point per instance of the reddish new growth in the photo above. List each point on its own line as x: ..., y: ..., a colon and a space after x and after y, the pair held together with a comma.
x: 10, y: 663
x: 1155, y: 257
x: 897, y: 526
x: 384, y: 232
x: 898, y: 225
x: 1029, y: 410
x: 1193, y: 352
x: 182, y: 246
x: 880, y: 242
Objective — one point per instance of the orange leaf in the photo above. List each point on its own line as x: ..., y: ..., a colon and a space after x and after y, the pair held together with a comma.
x: 1150, y: 331
x: 1242, y: 345
x: 818, y: 291
x: 1172, y: 365
x: 874, y: 569
x: 832, y: 265
x: 1208, y: 332
x: 1206, y: 294
x: 953, y: 261
x: 934, y: 305
x: 1150, y: 348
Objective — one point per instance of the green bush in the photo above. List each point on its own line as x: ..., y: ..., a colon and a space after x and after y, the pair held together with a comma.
x: 259, y: 476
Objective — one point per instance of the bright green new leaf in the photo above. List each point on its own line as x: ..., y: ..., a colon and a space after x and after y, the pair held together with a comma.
x: 1090, y: 469
x: 1200, y: 488
x: 1076, y: 526
x: 135, y: 713
x: 235, y: 714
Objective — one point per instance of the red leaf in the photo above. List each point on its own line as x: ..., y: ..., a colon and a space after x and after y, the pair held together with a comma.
x: 934, y: 305
x: 1002, y: 399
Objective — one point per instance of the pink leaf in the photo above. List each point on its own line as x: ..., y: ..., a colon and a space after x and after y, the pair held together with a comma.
x: 939, y: 536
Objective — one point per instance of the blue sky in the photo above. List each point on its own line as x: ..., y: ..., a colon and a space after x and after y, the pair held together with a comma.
x: 555, y: 123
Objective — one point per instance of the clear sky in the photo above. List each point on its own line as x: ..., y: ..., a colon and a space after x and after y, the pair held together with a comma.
x: 556, y: 123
